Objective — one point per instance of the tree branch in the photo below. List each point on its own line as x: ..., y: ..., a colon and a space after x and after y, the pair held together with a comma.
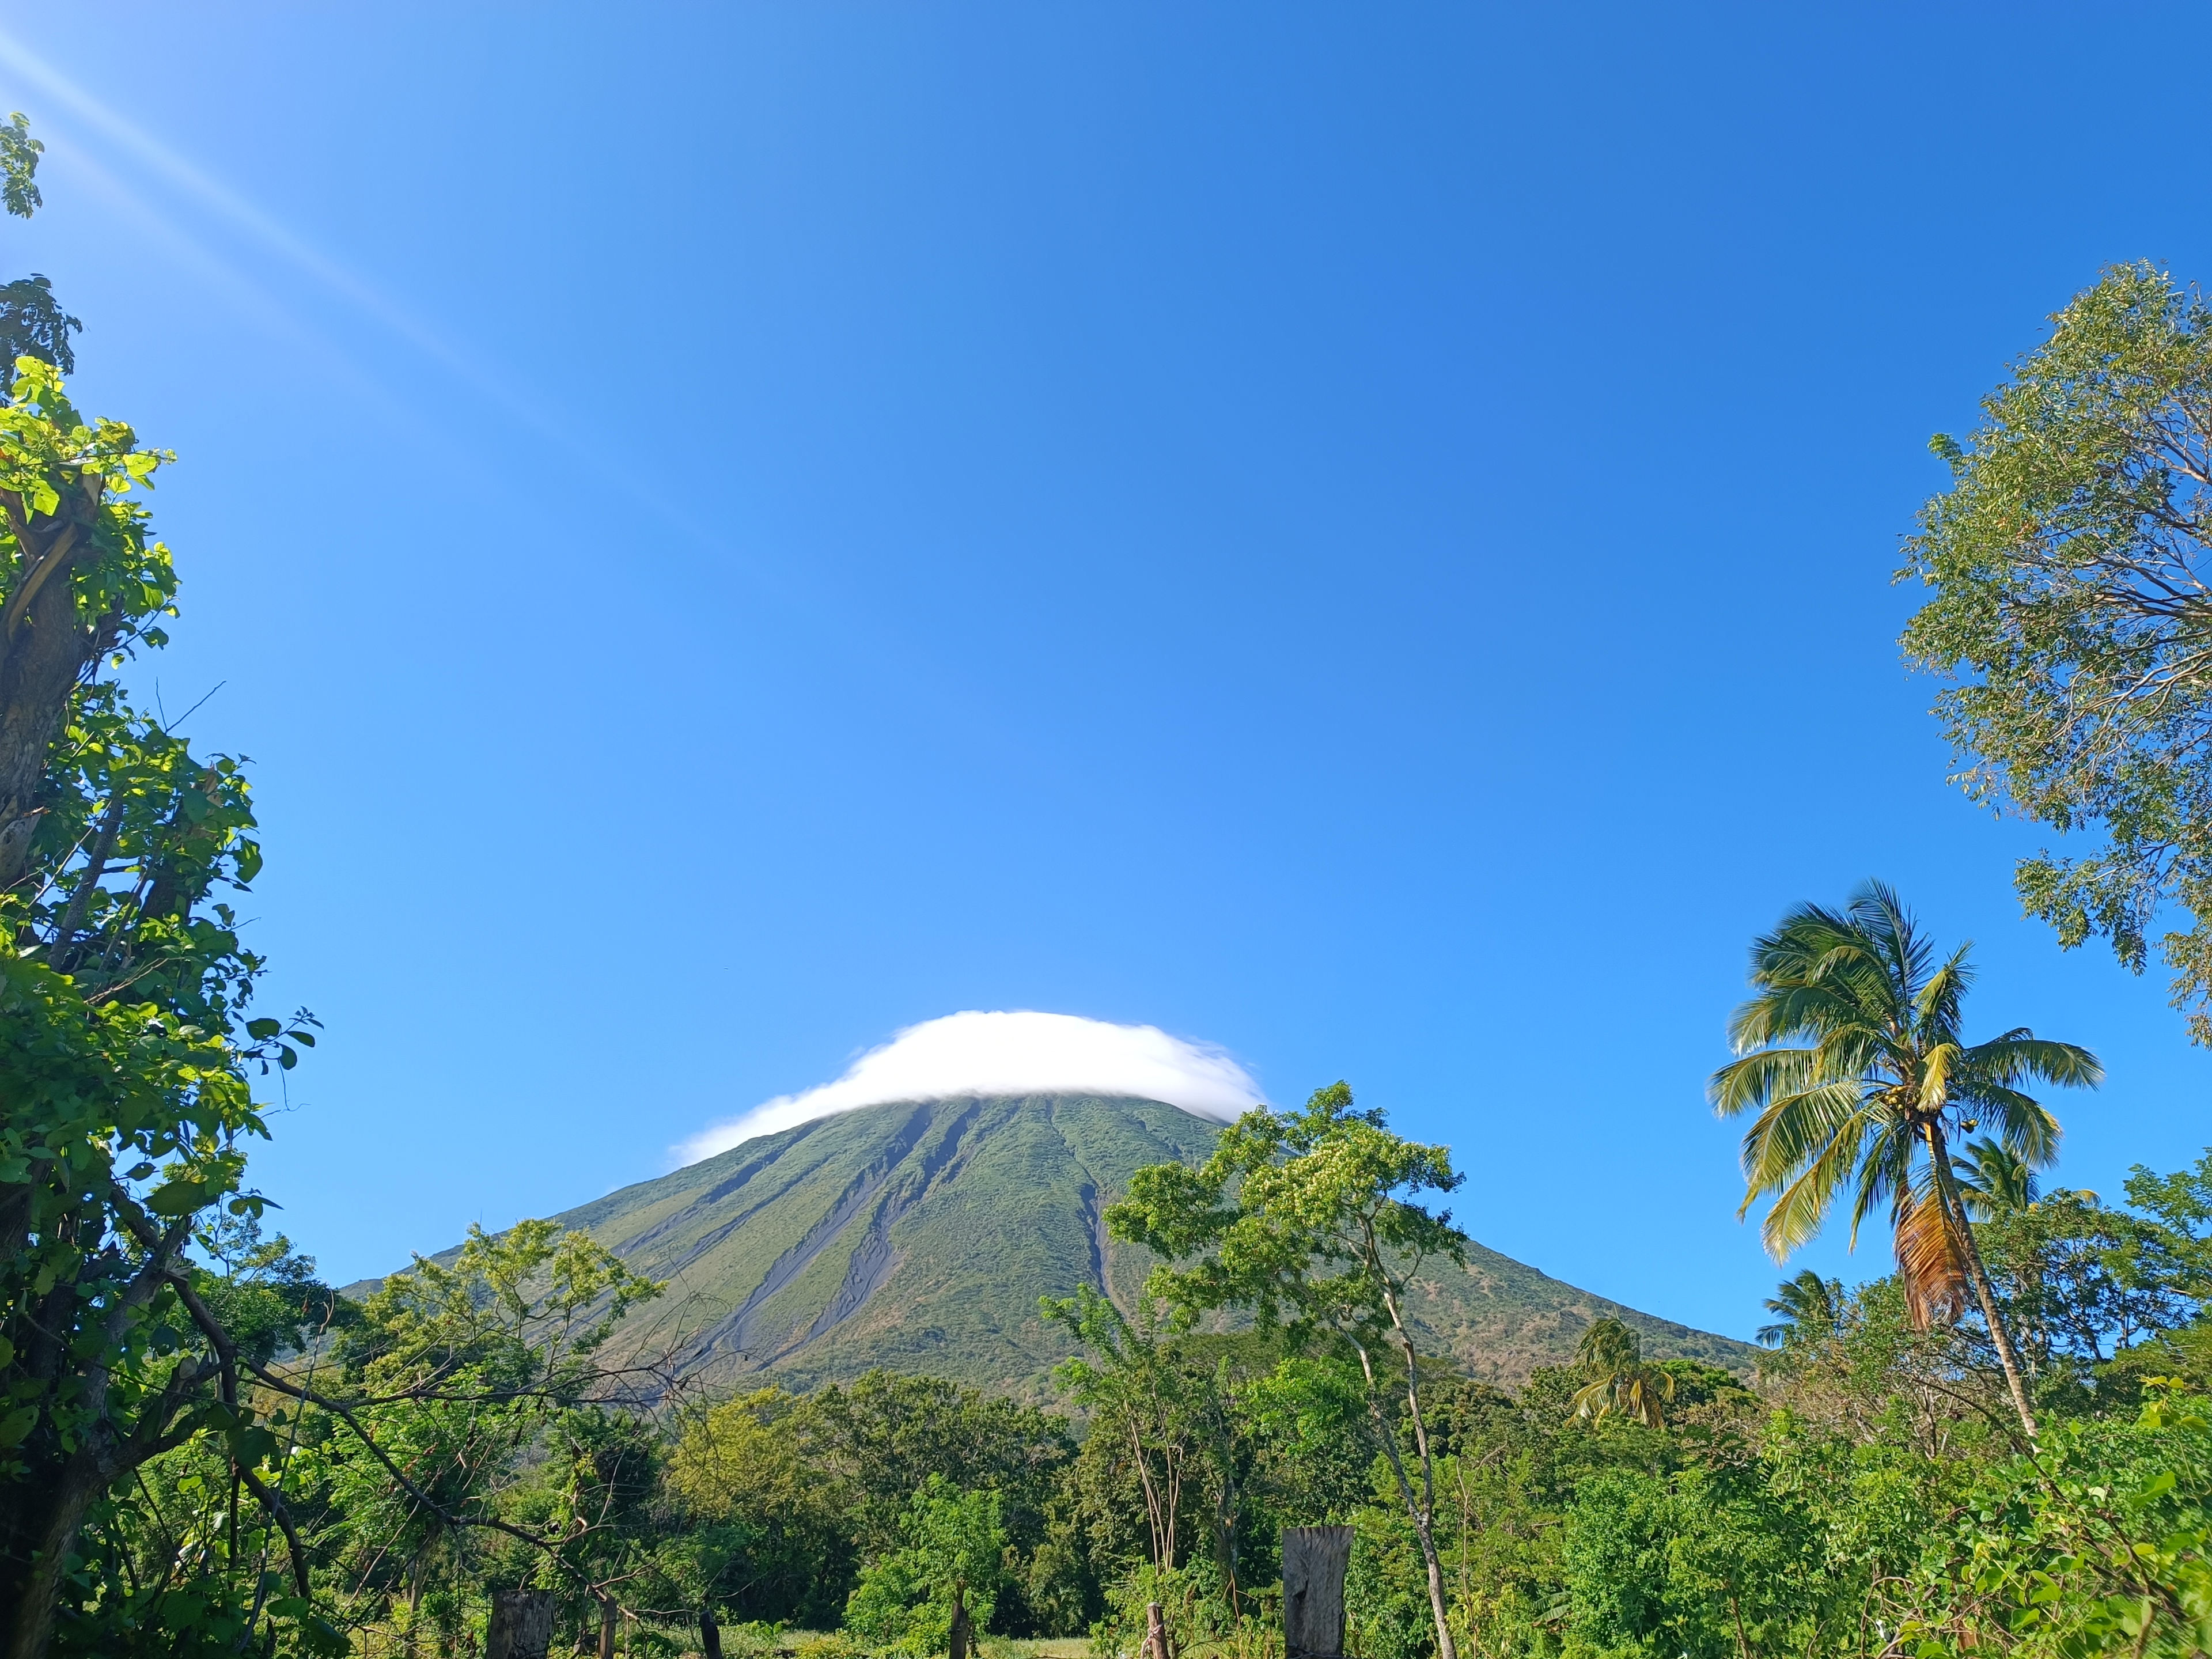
x: 220, y: 1339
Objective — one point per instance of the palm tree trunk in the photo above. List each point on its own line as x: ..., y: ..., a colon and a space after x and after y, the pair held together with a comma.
x: 1954, y: 1217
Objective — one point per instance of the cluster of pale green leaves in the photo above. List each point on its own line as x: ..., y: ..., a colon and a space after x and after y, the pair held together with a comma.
x: 2070, y: 605
x: 1310, y: 1219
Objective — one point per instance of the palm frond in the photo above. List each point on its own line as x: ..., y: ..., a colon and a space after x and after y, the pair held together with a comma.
x: 1878, y: 912
x: 1936, y: 1065
x: 1795, y: 1130
x: 1936, y: 1010
x: 1884, y: 1170
x: 2020, y: 1122
x: 1928, y: 1268
x: 1802, y: 1204
x: 1993, y: 1181
x: 1806, y: 1305
x: 1758, y: 1078
x: 2020, y: 1056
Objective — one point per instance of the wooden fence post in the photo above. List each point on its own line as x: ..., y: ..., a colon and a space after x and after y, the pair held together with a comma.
x: 1156, y: 1632
x: 710, y: 1632
x: 1314, y: 1560
x: 521, y: 1625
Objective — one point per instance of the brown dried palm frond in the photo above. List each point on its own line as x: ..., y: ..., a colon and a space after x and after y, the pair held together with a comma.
x: 1928, y: 1263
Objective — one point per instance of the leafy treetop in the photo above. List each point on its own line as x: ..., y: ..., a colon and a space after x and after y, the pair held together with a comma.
x: 2071, y: 607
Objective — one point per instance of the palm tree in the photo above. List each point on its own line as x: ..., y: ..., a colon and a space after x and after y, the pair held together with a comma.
x: 1612, y: 1357
x: 1807, y: 1305
x: 1992, y: 1182
x: 1850, y: 1056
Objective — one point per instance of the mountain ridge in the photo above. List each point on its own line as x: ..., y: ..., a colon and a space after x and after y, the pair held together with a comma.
x: 918, y: 1236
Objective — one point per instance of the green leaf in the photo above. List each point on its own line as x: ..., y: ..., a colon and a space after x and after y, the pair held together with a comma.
x: 324, y: 1639
x: 178, y: 1198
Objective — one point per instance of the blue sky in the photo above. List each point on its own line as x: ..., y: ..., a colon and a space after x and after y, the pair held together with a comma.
x: 1362, y: 536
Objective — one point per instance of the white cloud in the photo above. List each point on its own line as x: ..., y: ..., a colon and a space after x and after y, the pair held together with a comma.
x: 1006, y: 1054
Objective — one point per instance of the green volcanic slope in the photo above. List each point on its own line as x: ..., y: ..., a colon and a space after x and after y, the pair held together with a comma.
x: 919, y: 1236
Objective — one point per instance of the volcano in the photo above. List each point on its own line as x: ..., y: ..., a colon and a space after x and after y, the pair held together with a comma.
x: 918, y: 1236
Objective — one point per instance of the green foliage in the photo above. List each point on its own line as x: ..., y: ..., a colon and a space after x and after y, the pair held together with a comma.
x: 177, y: 1562
x: 32, y: 322
x: 1138, y: 1395
x: 951, y: 1549
x: 884, y: 1436
x: 1323, y: 1231
x: 265, y: 1295
x: 1805, y: 1307
x: 528, y: 1308
x: 2097, y: 1544
x: 1311, y: 1221
x: 19, y: 167
x: 2066, y: 565
x: 1710, y: 1563
x: 796, y: 1490
x: 125, y: 1051
x: 1612, y: 1357
x: 464, y: 1432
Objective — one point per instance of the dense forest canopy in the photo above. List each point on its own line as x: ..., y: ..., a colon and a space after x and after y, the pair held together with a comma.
x: 2005, y: 1444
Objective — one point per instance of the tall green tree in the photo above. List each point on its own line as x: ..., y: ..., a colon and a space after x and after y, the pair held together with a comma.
x: 1311, y: 1221
x: 1852, y: 1062
x: 773, y: 1524
x: 2071, y: 607
x: 455, y: 1375
x: 126, y: 1052
x: 939, y: 1586
x: 1132, y: 1388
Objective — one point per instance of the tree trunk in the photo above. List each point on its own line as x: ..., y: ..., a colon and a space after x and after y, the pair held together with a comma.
x: 1313, y: 1563
x: 710, y: 1634
x: 414, y: 1604
x: 34, y: 1619
x: 606, y: 1627
x: 43, y: 650
x: 51, y: 1526
x: 1446, y: 1648
x: 1156, y: 1632
x: 521, y: 1625
x: 963, y: 1635
x: 1955, y: 1214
